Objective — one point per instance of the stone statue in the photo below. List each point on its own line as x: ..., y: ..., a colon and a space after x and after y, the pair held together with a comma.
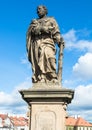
x: 42, y: 35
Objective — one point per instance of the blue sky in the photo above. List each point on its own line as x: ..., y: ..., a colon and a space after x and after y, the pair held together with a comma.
x: 75, y: 22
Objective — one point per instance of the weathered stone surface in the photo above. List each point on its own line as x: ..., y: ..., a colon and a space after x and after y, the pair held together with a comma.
x: 47, y: 106
x: 47, y: 95
x: 48, y: 117
x: 42, y: 36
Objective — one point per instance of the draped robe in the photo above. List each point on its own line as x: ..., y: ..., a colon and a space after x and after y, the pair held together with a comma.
x: 41, y: 38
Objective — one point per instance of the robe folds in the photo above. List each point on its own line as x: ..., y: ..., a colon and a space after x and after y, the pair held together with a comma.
x: 42, y: 36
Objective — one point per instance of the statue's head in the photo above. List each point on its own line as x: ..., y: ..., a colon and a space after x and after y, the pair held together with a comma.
x: 42, y: 11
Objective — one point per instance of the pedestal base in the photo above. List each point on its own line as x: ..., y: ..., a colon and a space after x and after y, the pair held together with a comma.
x: 47, y: 117
x: 47, y: 107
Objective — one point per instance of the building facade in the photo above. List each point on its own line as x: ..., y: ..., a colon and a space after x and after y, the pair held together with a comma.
x: 21, y: 123
x: 5, y: 122
x: 13, y: 122
x: 78, y: 123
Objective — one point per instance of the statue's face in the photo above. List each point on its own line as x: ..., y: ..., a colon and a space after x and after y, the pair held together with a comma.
x: 41, y: 11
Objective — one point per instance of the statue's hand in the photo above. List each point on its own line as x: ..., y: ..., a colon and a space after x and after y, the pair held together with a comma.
x: 44, y: 29
x: 36, y: 30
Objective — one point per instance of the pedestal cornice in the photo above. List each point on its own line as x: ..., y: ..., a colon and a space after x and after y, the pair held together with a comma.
x: 47, y: 95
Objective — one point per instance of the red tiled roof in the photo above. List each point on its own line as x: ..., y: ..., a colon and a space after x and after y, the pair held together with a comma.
x: 71, y: 121
x: 81, y: 122
x: 3, y: 116
x: 19, y: 121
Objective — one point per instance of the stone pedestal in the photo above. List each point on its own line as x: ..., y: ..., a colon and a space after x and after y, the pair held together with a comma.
x: 47, y: 107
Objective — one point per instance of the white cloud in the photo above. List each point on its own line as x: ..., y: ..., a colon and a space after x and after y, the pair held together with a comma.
x: 10, y: 103
x: 83, y: 96
x: 82, y: 102
x: 82, y: 69
x: 72, y: 41
x: 13, y: 103
x: 86, y: 114
x: 70, y: 36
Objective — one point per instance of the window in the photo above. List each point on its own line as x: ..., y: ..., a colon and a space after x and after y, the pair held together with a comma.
x: 22, y: 129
